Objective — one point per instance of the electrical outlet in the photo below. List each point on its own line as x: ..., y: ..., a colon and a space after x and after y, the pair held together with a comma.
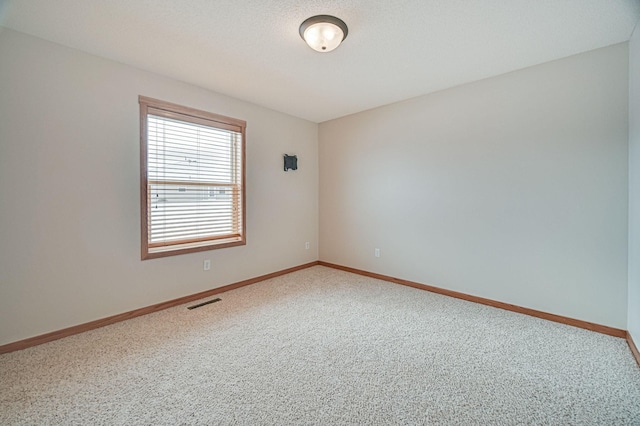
x: 206, y: 265
x: 377, y: 252
x: 307, y: 246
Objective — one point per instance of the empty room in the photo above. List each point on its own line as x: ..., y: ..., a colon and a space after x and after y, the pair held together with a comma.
x: 323, y: 212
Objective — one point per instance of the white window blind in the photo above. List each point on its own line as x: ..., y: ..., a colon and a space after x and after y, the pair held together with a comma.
x: 193, y: 181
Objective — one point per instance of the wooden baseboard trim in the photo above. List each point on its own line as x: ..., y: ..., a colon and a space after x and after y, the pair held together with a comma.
x: 81, y: 328
x: 634, y: 348
x: 77, y: 329
x: 507, y: 306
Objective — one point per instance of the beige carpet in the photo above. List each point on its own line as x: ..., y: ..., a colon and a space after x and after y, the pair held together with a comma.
x: 321, y: 346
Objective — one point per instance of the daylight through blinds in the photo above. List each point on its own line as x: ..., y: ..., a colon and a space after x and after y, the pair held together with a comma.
x: 193, y: 180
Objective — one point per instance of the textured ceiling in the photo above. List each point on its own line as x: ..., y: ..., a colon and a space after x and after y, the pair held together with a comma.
x: 396, y: 49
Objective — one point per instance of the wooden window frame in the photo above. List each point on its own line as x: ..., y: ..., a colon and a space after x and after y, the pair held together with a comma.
x: 190, y: 115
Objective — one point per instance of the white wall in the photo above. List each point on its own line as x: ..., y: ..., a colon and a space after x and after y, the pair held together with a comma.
x: 513, y: 188
x: 69, y: 191
x: 633, y: 324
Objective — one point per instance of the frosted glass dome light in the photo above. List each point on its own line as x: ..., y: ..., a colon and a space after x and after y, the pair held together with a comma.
x: 323, y: 33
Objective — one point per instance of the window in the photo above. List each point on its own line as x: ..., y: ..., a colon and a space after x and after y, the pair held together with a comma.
x: 192, y: 179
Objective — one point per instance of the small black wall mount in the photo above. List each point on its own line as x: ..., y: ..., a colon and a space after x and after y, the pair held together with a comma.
x: 290, y: 162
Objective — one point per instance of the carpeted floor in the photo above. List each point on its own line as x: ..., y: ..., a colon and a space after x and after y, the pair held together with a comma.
x: 322, y: 346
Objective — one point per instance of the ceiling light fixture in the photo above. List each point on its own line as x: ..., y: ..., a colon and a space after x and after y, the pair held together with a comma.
x: 323, y: 33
